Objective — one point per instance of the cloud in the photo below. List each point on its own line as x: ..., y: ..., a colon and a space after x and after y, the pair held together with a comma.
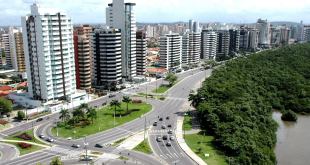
x: 93, y: 11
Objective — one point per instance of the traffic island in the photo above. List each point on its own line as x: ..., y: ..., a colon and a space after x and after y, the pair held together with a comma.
x: 144, y: 146
x: 151, y: 96
x: 165, y: 88
x: 104, y: 120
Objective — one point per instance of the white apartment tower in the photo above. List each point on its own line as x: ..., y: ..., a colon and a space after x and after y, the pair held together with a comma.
x: 7, y: 50
x: 191, y: 48
x: 106, y: 57
x: 49, y: 54
x: 208, y: 44
x: 120, y: 15
x: 170, y: 51
x: 191, y: 25
x: 264, y: 35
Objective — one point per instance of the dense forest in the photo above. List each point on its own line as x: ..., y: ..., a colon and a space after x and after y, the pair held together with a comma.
x: 236, y: 101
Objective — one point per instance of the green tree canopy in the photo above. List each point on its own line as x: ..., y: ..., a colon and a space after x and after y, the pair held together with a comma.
x: 127, y: 100
x: 6, y: 105
x: 64, y: 115
x: 92, y: 113
x: 78, y: 113
x: 20, y: 115
x: 115, y: 103
x: 171, y: 78
x: 289, y: 116
x: 56, y: 161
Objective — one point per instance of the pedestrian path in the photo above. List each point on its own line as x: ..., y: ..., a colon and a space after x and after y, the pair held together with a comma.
x: 159, y: 131
x: 132, y: 141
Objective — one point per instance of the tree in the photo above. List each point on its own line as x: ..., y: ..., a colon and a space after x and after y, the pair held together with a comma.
x: 56, y: 161
x: 6, y: 105
x: 283, y: 42
x: 22, y: 88
x: 92, y: 113
x: 115, y: 103
x: 64, y: 115
x: 171, y: 78
x: 15, y: 79
x: 232, y: 54
x: 78, y: 113
x: 83, y: 107
x: 289, y: 116
x: 127, y: 100
x: 3, y: 76
x: 20, y: 115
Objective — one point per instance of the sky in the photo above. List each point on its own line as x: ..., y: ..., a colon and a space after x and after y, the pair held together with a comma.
x: 155, y: 11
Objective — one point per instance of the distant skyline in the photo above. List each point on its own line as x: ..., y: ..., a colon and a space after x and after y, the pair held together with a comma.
x: 227, y: 11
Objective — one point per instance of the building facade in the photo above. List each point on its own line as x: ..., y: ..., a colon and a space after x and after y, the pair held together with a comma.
x: 305, y: 34
x: 170, y: 51
x: 49, y: 54
x: 141, y: 52
x: 223, y: 42
x: 120, y: 15
x: 7, y: 50
x: 208, y: 44
x: 234, y: 40
x: 106, y: 57
x: 264, y: 35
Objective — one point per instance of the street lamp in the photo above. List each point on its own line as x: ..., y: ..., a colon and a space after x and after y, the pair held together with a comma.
x: 34, y: 141
x: 98, y: 115
x: 85, y: 144
x: 56, y: 127
x: 146, y: 91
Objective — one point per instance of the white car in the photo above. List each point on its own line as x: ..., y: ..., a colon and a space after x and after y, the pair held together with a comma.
x: 171, y: 138
x: 49, y: 139
x: 87, y: 158
x: 41, y: 135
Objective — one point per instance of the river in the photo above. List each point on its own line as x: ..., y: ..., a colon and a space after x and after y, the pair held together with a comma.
x: 293, y: 140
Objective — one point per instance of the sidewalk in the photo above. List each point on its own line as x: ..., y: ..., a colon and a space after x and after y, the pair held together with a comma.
x: 3, y: 140
x: 133, y: 141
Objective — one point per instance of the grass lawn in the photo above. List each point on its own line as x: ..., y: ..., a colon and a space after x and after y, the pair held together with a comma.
x: 106, y: 120
x: 187, y: 123
x: 96, y: 153
x: 120, y: 141
x: 165, y: 88
x: 123, y: 158
x: 29, y: 132
x: 143, y: 147
x: 157, y: 97
x: 196, y: 140
x: 24, y: 151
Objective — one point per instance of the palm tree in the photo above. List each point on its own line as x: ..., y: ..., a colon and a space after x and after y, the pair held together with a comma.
x: 56, y: 161
x: 64, y: 115
x: 83, y: 107
x: 78, y: 112
x: 115, y: 103
x: 127, y: 100
x: 92, y: 114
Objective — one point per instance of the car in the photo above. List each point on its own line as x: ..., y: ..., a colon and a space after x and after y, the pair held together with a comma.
x: 105, y: 103
x: 49, y: 139
x: 158, y: 139
x: 99, y: 145
x: 161, y: 119
x: 155, y: 123
x: 172, y: 138
x: 87, y: 158
x: 168, y: 144
x: 41, y: 135
x: 169, y: 125
x: 111, y: 95
x: 165, y: 137
x: 170, y: 131
x: 167, y: 117
x: 163, y: 127
x: 75, y: 145
x: 39, y: 119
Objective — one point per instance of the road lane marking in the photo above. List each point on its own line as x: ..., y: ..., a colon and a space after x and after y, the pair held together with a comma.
x: 175, y: 154
x: 169, y: 155
x: 182, y: 154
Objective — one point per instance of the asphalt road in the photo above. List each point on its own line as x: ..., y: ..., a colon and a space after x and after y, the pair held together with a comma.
x: 169, y: 107
x: 8, y: 152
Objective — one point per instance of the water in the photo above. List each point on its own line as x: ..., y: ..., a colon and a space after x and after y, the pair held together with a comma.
x: 293, y: 140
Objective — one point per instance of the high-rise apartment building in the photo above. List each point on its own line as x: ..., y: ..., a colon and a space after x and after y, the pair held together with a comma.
x: 196, y: 28
x: 234, y: 40
x: 141, y: 52
x: 223, y: 42
x: 106, y: 57
x: 49, y: 54
x: 294, y: 32
x: 305, y: 33
x: 120, y: 15
x: 82, y: 56
x: 285, y: 34
x: 191, y: 25
x: 191, y: 48
x: 150, y: 31
x: 208, y: 44
x: 7, y: 50
x: 248, y: 38
x: 264, y: 35
x: 170, y: 51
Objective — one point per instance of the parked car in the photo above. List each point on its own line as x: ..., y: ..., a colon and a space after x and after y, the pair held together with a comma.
x: 105, y: 103
x: 111, y: 95
x: 159, y: 139
x: 169, y: 125
x: 41, y: 135
x: 49, y: 139
x: 87, y: 158
x: 161, y: 119
x: 172, y: 138
x: 165, y: 137
x: 163, y: 127
x: 99, y: 145
x: 167, y: 117
x: 39, y: 119
x: 170, y: 131
x: 168, y: 144
x: 155, y: 123
x: 75, y: 145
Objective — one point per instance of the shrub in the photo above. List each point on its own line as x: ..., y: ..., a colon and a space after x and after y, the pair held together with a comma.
x: 162, y: 98
x: 20, y: 115
x: 137, y: 101
x: 289, y: 116
x: 24, y: 136
x: 24, y: 145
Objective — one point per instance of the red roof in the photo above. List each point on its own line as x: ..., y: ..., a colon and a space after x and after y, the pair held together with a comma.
x: 5, y: 88
x: 23, y: 84
x: 6, y: 92
x: 157, y: 70
x: 2, y: 94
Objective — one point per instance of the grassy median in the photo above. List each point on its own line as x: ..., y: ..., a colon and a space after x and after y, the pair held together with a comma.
x: 165, y: 88
x: 143, y: 147
x: 187, y: 123
x: 24, y: 151
x: 157, y: 97
x: 195, y: 141
x: 106, y: 117
x: 29, y: 132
